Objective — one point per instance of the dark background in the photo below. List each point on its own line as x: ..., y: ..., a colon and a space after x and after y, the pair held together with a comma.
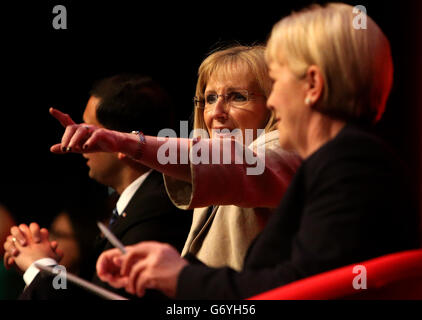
x: 43, y: 67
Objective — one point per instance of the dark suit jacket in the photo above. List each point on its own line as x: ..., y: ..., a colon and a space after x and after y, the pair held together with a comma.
x: 149, y: 215
x: 348, y: 202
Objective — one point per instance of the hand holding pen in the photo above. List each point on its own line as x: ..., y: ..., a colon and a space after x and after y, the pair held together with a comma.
x: 109, y: 268
x: 146, y: 265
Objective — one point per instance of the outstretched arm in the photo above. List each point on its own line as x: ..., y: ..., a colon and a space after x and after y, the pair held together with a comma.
x: 85, y: 138
x: 271, y: 171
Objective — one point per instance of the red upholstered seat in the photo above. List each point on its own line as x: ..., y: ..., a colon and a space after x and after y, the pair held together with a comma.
x: 394, y: 276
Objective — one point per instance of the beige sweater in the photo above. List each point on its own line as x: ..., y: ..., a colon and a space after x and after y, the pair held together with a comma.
x: 242, y: 203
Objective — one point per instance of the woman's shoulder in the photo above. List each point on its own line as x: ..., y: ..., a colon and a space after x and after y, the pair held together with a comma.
x: 268, y: 139
x: 355, y: 149
x: 276, y: 156
x: 353, y: 141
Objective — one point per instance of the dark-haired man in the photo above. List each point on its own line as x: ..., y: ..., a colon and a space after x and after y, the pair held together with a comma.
x: 143, y: 211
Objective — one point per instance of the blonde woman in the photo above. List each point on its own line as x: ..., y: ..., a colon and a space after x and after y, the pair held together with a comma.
x: 221, y: 234
x: 348, y: 201
x: 231, y: 206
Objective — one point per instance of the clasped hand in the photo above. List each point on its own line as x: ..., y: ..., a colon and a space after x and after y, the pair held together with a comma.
x: 27, y: 244
x: 147, y: 265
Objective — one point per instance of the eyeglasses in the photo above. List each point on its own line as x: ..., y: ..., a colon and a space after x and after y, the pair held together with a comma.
x: 238, y: 98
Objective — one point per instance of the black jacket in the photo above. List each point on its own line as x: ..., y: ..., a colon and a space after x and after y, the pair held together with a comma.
x: 348, y: 202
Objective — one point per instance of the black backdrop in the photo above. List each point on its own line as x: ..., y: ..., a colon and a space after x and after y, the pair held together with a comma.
x: 43, y: 67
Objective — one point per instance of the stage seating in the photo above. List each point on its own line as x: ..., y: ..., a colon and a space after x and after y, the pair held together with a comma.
x: 394, y: 276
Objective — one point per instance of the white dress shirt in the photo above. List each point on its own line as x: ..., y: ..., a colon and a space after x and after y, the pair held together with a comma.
x: 128, y: 193
x: 121, y: 205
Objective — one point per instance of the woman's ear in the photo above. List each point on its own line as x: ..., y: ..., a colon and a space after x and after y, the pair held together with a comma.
x: 315, y: 85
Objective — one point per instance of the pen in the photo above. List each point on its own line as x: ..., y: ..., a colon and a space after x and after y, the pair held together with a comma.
x: 84, y: 284
x: 111, y: 237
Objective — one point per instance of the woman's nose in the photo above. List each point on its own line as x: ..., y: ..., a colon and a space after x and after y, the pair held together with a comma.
x: 221, y: 107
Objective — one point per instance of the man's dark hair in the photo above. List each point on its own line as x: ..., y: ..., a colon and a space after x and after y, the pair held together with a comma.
x: 133, y: 102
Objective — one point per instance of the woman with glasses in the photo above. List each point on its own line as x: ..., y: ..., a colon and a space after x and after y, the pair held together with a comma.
x: 232, y: 201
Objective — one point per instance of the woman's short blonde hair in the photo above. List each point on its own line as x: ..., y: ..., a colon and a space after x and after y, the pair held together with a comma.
x: 356, y: 63
x: 226, y: 61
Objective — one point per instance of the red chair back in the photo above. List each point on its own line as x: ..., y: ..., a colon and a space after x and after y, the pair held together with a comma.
x: 394, y: 276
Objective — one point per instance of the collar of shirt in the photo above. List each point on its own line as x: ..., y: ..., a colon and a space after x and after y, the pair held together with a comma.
x: 128, y: 193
